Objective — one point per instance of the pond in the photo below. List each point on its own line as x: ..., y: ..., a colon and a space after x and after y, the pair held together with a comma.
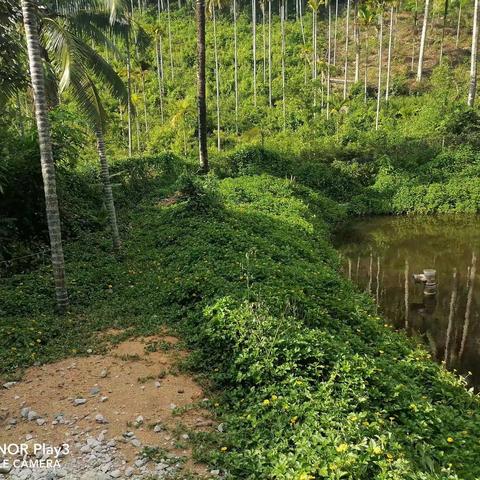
x: 381, y: 255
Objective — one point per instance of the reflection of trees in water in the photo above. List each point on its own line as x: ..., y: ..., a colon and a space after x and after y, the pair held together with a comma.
x: 444, y: 320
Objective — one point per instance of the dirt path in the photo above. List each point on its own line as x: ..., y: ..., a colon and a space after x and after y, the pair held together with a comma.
x: 126, y: 414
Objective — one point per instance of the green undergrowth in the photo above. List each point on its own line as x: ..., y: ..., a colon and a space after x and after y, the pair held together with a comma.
x: 310, y: 382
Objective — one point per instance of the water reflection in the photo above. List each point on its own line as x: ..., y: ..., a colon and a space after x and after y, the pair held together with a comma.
x: 382, y: 254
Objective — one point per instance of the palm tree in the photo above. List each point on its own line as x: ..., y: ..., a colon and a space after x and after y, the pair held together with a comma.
x: 46, y: 157
x: 458, y: 23
x: 314, y: 5
x: 389, y: 58
x: 264, y: 38
x: 270, y: 53
x: 284, y: 104
x: 211, y: 6
x: 202, y: 101
x: 367, y: 16
x: 335, y: 34
x: 329, y: 54
x: 473, y: 60
x: 170, y: 52
x: 235, y: 61
x: 254, y: 50
x: 380, y: 42
x: 356, y: 32
x: 422, y: 41
x: 345, y: 70
x: 159, y: 62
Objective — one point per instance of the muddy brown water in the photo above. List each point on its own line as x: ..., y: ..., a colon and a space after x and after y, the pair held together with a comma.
x: 381, y: 254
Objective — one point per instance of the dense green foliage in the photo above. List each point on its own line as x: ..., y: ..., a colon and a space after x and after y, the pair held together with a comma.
x: 311, y: 383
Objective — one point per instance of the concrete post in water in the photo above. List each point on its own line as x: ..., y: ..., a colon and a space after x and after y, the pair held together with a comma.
x: 429, y: 279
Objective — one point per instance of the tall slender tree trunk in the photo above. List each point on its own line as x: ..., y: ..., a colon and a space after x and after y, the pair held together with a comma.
x: 264, y: 38
x: 423, y: 39
x: 458, y: 25
x: 254, y: 50
x: 444, y: 24
x: 170, y: 51
x: 284, y: 102
x: 270, y: 53
x: 129, y: 96
x: 46, y: 156
x: 314, y: 59
x: 389, y: 58
x: 335, y: 34
x: 345, y: 70
x: 367, y: 53
x: 202, y: 100
x: 356, y: 30
x: 379, y: 86
x: 107, y: 187
x: 21, y: 125
x: 217, y: 77
x: 414, y: 35
x: 329, y: 55
x: 473, y: 60
x: 158, y: 48
x: 235, y: 56
x: 145, y: 115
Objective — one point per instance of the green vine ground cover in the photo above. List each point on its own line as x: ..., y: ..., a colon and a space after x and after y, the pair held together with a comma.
x: 311, y: 383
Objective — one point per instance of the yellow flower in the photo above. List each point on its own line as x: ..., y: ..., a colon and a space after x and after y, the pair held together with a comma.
x: 343, y: 447
x: 389, y: 456
x: 293, y: 420
x: 274, y: 397
x: 266, y: 402
x: 305, y: 476
x: 450, y: 440
x: 377, y: 450
x: 224, y: 449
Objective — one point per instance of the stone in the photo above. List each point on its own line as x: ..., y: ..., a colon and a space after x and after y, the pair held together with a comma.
x: 136, y: 443
x: 9, y: 385
x: 185, y: 436
x: 139, y: 421
x: 158, y: 384
x: 104, y: 399
x: 129, y: 471
x: 103, y: 373
x: 41, y: 421
x: 141, y: 462
x: 24, y: 412
x: 79, y: 401
x: 116, y: 474
x: 158, y: 428
x: 215, y: 472
x: 99, y: 418
x: 94, y: 391
x: 85, y: 449
x: 32, y: 415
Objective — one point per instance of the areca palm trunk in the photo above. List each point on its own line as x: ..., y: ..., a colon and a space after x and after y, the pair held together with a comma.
x: 335, y: 34
x: 107, y: 187
x: 235, y: 62
x: 46, y: 156
x: 254, y: 50
x: 356, y: 30
x: 144, y: 103
x: 389, y: 58
x: 423, y: 41
x: 473, y: 60
x: 217, y: 76
x: 202, y: 101
x: 170, y: 52
x: 414, y: 35
x: 346, y: 52
x: 329, y: 54
x: 458, y: 25
x: 379, y: 86
x: 129, y: 97
x: 270, y: 53
x: 314, y: 58
x: 158, y: 48
x: 284, y: 104
x: 262, y: 4
x: 367, y: 53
